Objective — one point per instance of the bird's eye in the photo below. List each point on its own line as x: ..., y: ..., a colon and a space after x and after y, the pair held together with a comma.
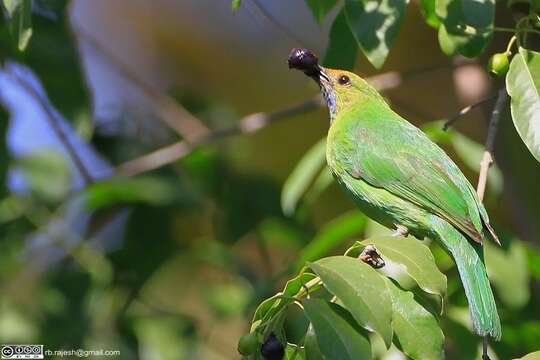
x: 344, y: 80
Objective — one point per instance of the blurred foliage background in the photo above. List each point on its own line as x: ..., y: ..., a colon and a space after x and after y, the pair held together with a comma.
x: 169, y: 262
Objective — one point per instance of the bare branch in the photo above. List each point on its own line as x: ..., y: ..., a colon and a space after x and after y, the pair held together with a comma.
x: 249, y: 124
x: 51, y: 118
x: 466, y: 110
x: 171, y: 112
x: 487, y: 159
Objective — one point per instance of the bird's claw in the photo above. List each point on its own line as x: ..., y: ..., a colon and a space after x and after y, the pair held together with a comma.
x: 370, y: 255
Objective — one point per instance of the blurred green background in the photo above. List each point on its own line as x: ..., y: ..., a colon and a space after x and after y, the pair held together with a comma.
x: 170, y: 263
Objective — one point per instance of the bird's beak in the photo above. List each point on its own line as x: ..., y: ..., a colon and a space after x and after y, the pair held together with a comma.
x: 322, y: 77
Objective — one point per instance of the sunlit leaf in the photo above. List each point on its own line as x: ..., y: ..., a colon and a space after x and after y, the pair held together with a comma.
x: 417, y: 331
x: 523, y: 85
x: 532, y: 356
x: 342, y: 46
x: 302, y: 176
x: 375, y: 25
x: 407, y: 258
x: 294, y: 352
x: 333, y: 234
x: 511, y: 286
x: 338, y: 334
x: 320, y: 8
x: 468, y: 25
x: 428, y: 10
x: 361, y: 290
x: 19, y: 14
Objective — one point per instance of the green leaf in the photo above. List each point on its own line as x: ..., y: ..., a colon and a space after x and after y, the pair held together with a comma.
x: 407, y: 258
x: 338, y: 335
x: 331, y: 235
x: 294, y: 352
x: 523, y: 85
x: 361, y: 290
x: 311, y: 345
x: 235, y: 5
x: 121, y: 191
x: 375, y: 25
x: 342, y: 46
x: 428, y: 10
x: 302, y: 176
x: 321, y: 183
x: 272, y: 305
x: 19, y: 13
x: 511, y: 286
x: 47, y: 174
x: 532, y: 356
x: 416, y: 330
x: 467, y: 26
x: 320, y: 8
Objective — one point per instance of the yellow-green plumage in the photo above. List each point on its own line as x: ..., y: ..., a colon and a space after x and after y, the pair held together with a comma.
x: 400, y: 178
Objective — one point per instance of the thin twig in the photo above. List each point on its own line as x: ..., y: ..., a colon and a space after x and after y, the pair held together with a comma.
x: 465, y: 111
x: 171, y: 112
x: 247, y: 125
x: 52, y: 119
x: 487, y: 159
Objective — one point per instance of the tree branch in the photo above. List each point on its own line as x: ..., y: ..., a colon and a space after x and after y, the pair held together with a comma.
x: 51, y: 118
x: 171, y: 112
x: 465, y: 111
x: 487, y: 159
x: 247, y: 125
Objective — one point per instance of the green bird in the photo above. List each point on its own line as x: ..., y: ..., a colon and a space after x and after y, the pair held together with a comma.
x: 404, y: 181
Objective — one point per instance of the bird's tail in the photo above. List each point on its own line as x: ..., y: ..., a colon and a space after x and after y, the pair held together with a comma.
x: 469, y: 258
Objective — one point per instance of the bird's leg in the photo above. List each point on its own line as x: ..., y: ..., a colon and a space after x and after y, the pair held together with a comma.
x: 484, y: 349
x: 370, y: 255
x: 401, y: 231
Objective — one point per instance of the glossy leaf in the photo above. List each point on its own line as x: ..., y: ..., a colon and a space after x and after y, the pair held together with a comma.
x: 407, y: 258
x: 338, y: 335
x: 302, y: 176
x: 320, y: 8
x: 342, y: 46
x: 511, y: 286
x: 311, y: 345
x: 375, y: 25
x: 523, y: 85
x: 416, y: 330
x: 331, y: 235
x: 360, y: 289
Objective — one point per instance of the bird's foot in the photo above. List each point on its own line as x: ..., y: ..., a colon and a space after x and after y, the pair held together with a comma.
x: 370, y: 255
x: 401, y: 231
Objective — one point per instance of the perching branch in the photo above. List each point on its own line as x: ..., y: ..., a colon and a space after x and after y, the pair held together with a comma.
x: 487, y: 159
x: 247, y: 125
x: 465, y: 111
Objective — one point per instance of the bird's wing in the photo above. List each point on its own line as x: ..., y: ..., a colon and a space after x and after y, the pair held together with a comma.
x: 398, y: 157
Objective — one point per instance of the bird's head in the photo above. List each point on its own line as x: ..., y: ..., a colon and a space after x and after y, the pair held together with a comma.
x: 340, y: 88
